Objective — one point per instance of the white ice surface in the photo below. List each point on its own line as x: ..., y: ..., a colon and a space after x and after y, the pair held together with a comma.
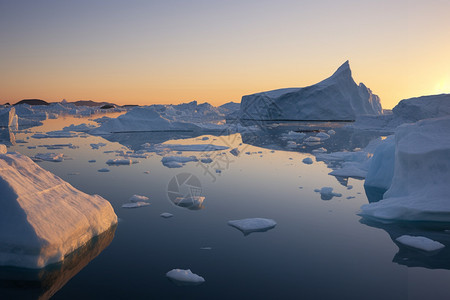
x: 43, y: 218
x: 419, y: 242
x: 250, y: 225
x: 420, y: 186
x: 184, y: 277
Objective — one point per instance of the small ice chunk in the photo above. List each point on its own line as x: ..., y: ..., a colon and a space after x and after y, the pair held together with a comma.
x: 119, y: 161
x: 250, y: 225
x: 331, y: 132
x: 3, y: 149
x: 135, y: 204
x: 184, y: 277
x: 53, y: 157
x: 419, y: 242
x: 235, y: 151
x: 307, y: 160
x: 73, y: 173
x: 138, y: 198
x: 326, y: 193
x: 313, y: 139
x: 205, y: 138
x: 146, y: 172
x: 206, y: 160
x: 103, y: 170
x: 320, y: 150
x: 166, y: 215
x: 177, y: 161
x: 322, y: 136
x: 92, y: 161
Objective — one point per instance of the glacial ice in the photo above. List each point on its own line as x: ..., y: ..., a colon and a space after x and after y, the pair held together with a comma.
x: 53, y: 157
x: 250, y: 225
x: 44, y: 218
x: 420, y: 183
x: 419, y: 242
x: 335, y: 98
x: 181, y: 147
x: 177, y: 161
x: 79, y: 128
x: 381, y: 168
x: 138, y: 198
x: 135, y: 204
x: 184, y: 277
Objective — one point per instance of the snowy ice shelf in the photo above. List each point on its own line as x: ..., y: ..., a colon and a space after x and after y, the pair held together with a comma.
x: 43, y: 218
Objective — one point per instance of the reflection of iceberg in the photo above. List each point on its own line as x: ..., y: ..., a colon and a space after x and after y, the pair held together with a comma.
x: 44, y: 283
x: 413, y: 257
x: 7, y: 137
x: 271, y: 137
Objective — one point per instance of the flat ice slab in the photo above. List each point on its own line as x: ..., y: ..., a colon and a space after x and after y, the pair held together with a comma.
x: 43, y: 218
x: 184, y: 277
x: 166, y: 215
x: 135, y: 204
x: 250, y: 225
x: 419, y: 242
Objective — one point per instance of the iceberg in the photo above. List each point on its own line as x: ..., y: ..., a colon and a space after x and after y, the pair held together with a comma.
x: 184, y: 277
x: 183, y: 117
x: 407, y: 111
x: 381, y: 168
x: 420, y: 187
x: 53, y: 157
x: 166, y: 215
x: 177, y: 161
x: 43, y: 218
x: 335, y: 98
x: 135, y: 204
x: 8, y: 117
x: 247, y: 226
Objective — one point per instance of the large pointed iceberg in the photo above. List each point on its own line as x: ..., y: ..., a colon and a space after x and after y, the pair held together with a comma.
x: 420, y: 183
x: 42, y: 217
x: 335, y: 98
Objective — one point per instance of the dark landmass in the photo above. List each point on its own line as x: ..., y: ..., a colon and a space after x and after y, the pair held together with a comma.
x: 32, y: 102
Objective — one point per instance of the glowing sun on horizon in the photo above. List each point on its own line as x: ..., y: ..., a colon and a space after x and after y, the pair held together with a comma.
x: 443, y: 86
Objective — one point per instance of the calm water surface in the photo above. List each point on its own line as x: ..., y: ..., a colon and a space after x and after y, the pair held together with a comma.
x: 320, y: 249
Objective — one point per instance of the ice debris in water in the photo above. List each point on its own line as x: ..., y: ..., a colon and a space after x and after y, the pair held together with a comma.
x: 250, y: 225
x: 307, y: 160
x: 322, y: 136
x: 166, y: 215
x: 53, y: 157
x: 320, y: 150
x: 103, y: 170
x: 419, y: 242
x: 98, y: 145
x: 117, y: 161
x: 135, y: 204
x: 326, y: 193
x: 177, y: 161
x: 184, y: 277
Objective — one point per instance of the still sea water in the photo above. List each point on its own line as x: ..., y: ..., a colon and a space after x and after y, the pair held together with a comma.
x: 320, y: 249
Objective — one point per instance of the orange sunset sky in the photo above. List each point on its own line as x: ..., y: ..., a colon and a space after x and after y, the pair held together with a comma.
x: 146, y: 52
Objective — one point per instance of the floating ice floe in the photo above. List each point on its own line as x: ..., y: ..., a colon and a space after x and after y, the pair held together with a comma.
x: 166, y: 215
x: 138, y: 198
x: 207, y: 160
x: 307, y: 160
x: 79, y: 128
x: 43, y: 218
x: 420, y: 184
x: 103, y: 170
x: 181, y: 147
x: 312, y: 139
x: 92, y: 161
x: 247, y: 226
x: 177, y: 161
x: 326, y: 193
x: 184, y: 277
x: 319, y: 150
x: 322, y: 136
x: 190, y: 202
x: 53, y: 157
x: 118, y: 161
x: 420, y: 242
x: 331, y: 132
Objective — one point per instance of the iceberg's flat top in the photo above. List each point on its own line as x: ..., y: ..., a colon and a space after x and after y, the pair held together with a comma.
x: 250, y: 225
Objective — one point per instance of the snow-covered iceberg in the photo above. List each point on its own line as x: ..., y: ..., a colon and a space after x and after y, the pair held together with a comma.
x: 420, y: 184
x: 43, y: 218
x: 335, y: 98
x: 8, y: 117
x: 183, y: 117
x: 407, y: 111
